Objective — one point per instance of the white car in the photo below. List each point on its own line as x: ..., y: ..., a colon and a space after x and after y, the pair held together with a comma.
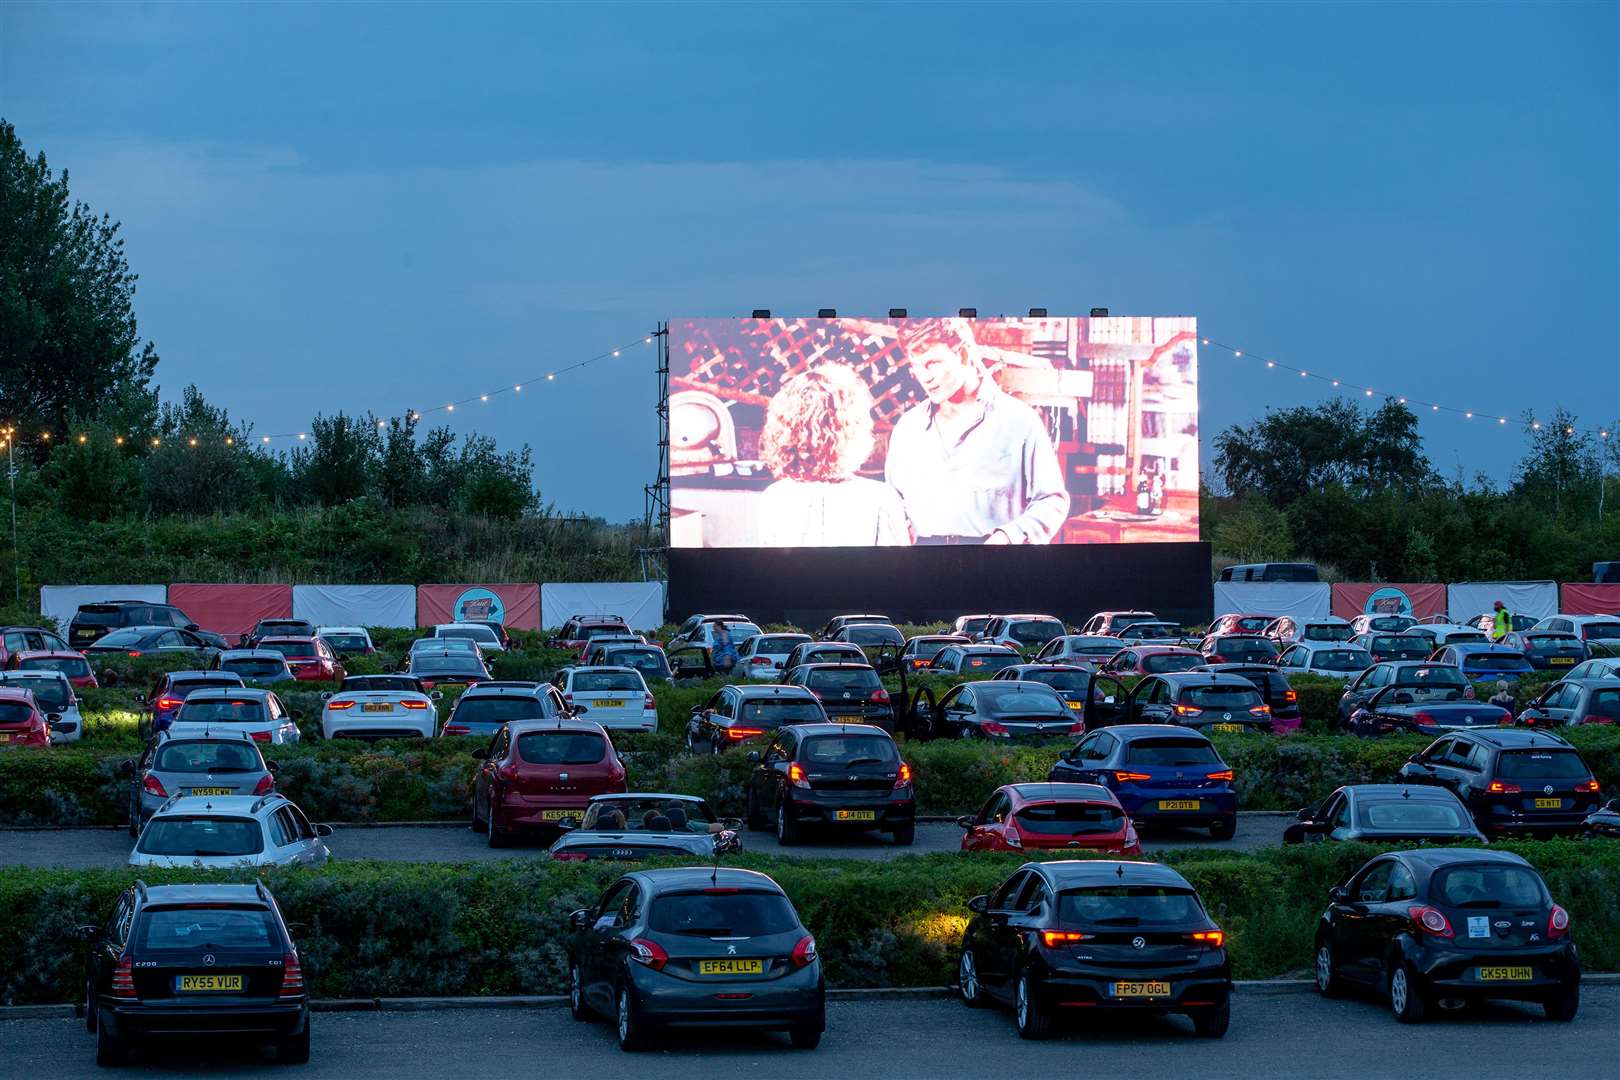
x: 379, y: 707
x: 54, y: 695
x: 762, y: 656
x: 702, y: 635
x: 487, y: 639
x: 347, y: 640
x: 1599, y: 667
x: 1382, y: 624
x: 615, y: 697
x: 1330, y: 628
x: 1328, y: 659
x: 1604, y: 628
x: 1443, y: 634
x: 223, y: 832
x: 443, y: 644
x: 257, y: 712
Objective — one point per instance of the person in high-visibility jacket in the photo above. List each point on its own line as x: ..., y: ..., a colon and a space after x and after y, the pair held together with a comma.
x: 1502, y: 624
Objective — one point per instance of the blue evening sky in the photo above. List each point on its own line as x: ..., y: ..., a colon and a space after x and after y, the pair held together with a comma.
x: 388, y: 206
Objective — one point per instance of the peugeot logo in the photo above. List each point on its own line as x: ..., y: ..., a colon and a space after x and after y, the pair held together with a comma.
x: 1138, y: 942
x: 1547, y: 790
x: 208, y: 960
x: 731, y: 950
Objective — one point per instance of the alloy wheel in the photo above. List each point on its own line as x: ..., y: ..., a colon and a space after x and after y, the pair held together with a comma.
x: 967, y: 977
x: 1398, y: 990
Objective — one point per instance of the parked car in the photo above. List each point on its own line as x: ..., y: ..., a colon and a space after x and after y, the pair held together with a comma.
x: 1325, y: 659
x: 764, y: 656
x: 1073, y: 682
x: 1151, y: 660
x: 1604, y: 821
x: 1026, y: 633
x: 220, y: 832
x: 920, y: 651
x: 1149, y: 946
x: 1417, y: 674
x: 1002, y: 710
x: 1144, y: 632
x: 1575, y: 701
x: 970, y: 626
x: 222, y: 763
x: 1384, y: 646
x: 147, y: 641
x: 499, y: 629
x: 267, y: 628
x: 1331, y: 628
x: 537, y: 773
x: 1482, y: 660
x: 18, y: 640
x: 1238, y: 649
x: 823, y: 652
x: 53, y: 696
x: 1034, y: 817
x: 650, y: 660
x: 1270, y: 572
x: 737, y: 714
x: 486, y: 639
x: 1442, y: 634
x: 1274, y: 687
x: 170, y: 690
x: 1162, y: 775
x: 1423, y: 710
x: 615, y: 697
x: 645, y: 825
x: 1589, y: 628
x: 22, y: 723
x: 1433, y: 926
x: 151, y: 970
x: 72, y: 665
x: 311, y: 659
x: 1110, y: 623
x: 841, y: 776
x: 1386, y: 814
x: 253, y: 667
x: 871, y: 637
x: 1549, y: 650
x: 573, y: 634
x: 973, y: 659
x: 483, y: 710
x: 688, y: 947
x: 1241, y: 622
x: 260, y: 713
x: 850, y: 692
x: 445, y: 669
x: 1513, y: 781
x: 1079, y: 648
x: 92, y: 622
x: 379, y: 707
x: 350, y: 640
x: 1206, y: 701
x: 1599, y: 667
x: 1382, y: 624
x: 838, y: 623
x: 702, y: 634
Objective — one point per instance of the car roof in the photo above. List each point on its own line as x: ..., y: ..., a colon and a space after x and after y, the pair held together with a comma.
x: 1131, y: 732
x: 300, y: 638
x: 1202, y: 678
x: 1485, y: 647
x: 1404, y: 791
x: 1048, y: 618
x: 524, y: 727
x: 209, y: 693
x: 8, y: 693
x: 484, y: 690
x: 834, y: 667
x: 202, y: 893
x: 1031, y: 669
x: 1069, y: 873
x: 55, y: 654
x: 167, y: 736
x: 217, y: 804
x: 1159, y: 650
x: 1586, y: 682
x: 1511, y: 739
x: 1042, y: 791
x: 31, y: 675
x: 341, y: 629
x: 689, y: 877
x: 836, y: 728
x: 227, y: 678
x: 611, y: 669
x: 778, y: 689
x: 867, y: 615
x: 1436, y: 858
x: 987, y: 649
x: 1237, y: 669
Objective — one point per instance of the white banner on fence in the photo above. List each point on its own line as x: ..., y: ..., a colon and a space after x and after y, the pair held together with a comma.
x: 1299, y: 599
x: 640, y: 602
x: 355, y: 605
x: 60, y: 602
x: 1537, y: 599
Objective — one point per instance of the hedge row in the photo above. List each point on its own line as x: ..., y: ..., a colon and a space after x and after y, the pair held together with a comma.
x: 402, y: 929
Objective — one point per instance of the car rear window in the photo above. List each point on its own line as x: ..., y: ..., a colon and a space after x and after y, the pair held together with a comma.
x: 1329, y: 632
x: 220, y: 710
x: 987, y: 661
x: 381, y: 684
x: 1246, y: 649
x: 1158, y: 663
x: 1222, y: 697
x: 718, y: 914
x: 561, y: 747
x: 1541, y: 765
x: 1008, y: 700
x: 184, y: 688
x: 347, y: 642
x: 205, y: 929
x: 1070, y: 819
x: 843, y: 679
x: 497, y: 710
x: 201, y: 836
x: 773, y: 645
x: 1495, y: 662
x: 1393, y: 624
x: 298, y: 650
x: 1490, y: 886
x: 201, y: 757
x: 1605, y: 703
x: 1151, y: 632
x: 974, y: 626
x: 590, y: 682
x: 1171, y: 751
x: 1254, y: 624
x: 480, y: 633
x: 15, y: 712
x: 651, y: 814
x: 830, y: 750
x: 929, y: 649
x: 131, y: 636
x: 254, y: 669
x: 874, y: 635
x: 1401, y: 645
x: 1417, y: 814
x: 1341, y: 659
x: 1550, y: 642
x: 1602, y: 631
x: 650, y: 660
x: 74, y: 667
x: 1430, y: 676
x: 52, y: 695
x: 99, y: 615
x: 1130, y: 906
x: 1035, y: 631
x: 446, y: 665
x: 774, y: 712
x: 1068, y: 681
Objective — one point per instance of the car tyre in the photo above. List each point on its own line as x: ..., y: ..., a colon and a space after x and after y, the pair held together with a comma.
x: 576, y: 993
x: 787, y: 833
x: 905, y: 835
x: 1328, y: 981
x: 1564, y: 1006
x: 1224, y: 829
x: 90, y: 1008
x: 294, y: 1051
x: 967, y: 981
x: 1405, y: 999
x: 498, y: 837
x: 478, y: 824
x: 806, y: 1036
x: 756, y: 818
x: 134, y: 816
x: 110, y: 1050
x: 1213, y: 1022
x: 631, y: 1028
x: 1034, y: 1019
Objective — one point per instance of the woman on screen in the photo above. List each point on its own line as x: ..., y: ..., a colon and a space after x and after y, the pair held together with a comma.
x: 817, y: 435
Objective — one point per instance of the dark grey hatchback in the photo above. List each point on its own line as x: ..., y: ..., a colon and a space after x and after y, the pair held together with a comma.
x: 696, y: 947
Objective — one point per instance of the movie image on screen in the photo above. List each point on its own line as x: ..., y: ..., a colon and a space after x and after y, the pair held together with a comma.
x: 866, y: 432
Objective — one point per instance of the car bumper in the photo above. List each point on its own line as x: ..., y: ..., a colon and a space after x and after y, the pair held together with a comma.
x: 271, y: 1019
x: 637, y: 721
x: 799, y: 998
x: 382, y: 727
x: 1213, y: 807
x: 825, y: 810
x: 1455, y: 971
x: 1195, y: 988
x: 529, y: 812
x: 883, y: 718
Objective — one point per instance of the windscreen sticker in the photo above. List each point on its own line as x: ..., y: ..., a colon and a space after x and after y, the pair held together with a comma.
x: 1479, y: 926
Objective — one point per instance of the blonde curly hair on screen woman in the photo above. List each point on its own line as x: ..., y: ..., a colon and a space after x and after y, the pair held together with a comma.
x: 817, y: 435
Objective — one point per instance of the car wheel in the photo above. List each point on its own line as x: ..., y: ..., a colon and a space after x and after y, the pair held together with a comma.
x: 631, y: 1028
x: 1328, y: 982
x: 1405, y: 999
x: 134, y: 817
x: 576, y: 994
x: 498, y: 837
x: 904, y: 835
x: 478, y: 824
x: 1034, y: 1019
x: 1563, y: 1007
x: 787, y: 833
x: 967, y: 981
x: 1224, y: 829
x: 295, y: 1051
x: 89, y: 1008
x: 1212, y: 1022
x: 110, y: 1050
x: 807, y: 1036
x: 756, y: 819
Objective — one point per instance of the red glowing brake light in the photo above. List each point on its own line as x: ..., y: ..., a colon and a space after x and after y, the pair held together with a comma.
x: 1587, y: 786
x: 1431, y: 921
x: 1224, y: 774
x: 1290, y: 696
x: 903, y: 777
x: 1499, y: 788
x: 409, y: 704
x: 1188, y: 710
x: 340, y: 703
x: 1557, y: 922
x: 260, y: 736
x: 153, y: 786
x: 649, y: 953
x: 743, y: 732
x: 166, y: 702
x: 457, y: 729
x: 993, y: 728
x: 804, y: 953
x: 1129, y: 777
x: 265, y: 786
x: 1053, y: 939
x: 1212, y: 938
x: 134, y: 652
x: 881, y: 696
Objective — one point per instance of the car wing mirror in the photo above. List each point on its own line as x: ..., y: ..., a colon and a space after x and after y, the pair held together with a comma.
x: 1338, y: 894
x: 577, y: 919
x: 753, y: 757
x: 272, y: 766
x: 126, y: 767
x: 323, y: 830
x: 437, y: 695
x: 87, y: 933
x: 965, y: 821
x: 979, y: 904
x: 326, y: 695
x: 1304, y: 814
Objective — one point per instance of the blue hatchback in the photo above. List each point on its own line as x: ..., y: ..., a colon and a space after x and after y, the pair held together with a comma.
x: 1161, y: 774
x: 1482, y: 660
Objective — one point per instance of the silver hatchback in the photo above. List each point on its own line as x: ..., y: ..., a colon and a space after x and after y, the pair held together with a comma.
x: 222, y: 764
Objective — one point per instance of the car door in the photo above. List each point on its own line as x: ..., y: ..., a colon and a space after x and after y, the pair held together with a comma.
x: 1424, y: 766
x: 597, y: 952
x: 771, y: 771
x: 1553, y: 708
x: 484, y: 781
x: 1357, y: 949
x: 990, y: 952
x: 1106, y: 698
x: 987, y: 825
x: 1151, y: 702
x: 315, y: 851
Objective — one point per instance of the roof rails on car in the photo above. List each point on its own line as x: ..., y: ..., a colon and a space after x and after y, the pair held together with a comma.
x: 263, y: 893
x: 258, y: 803
x: 140, y: 887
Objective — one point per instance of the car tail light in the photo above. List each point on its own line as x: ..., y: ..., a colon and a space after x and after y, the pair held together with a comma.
x: 265, y: 786
x: 153, y: 786
x: 880, y: 695
x: 804, y: 953
x: 1216, y: 658
x: 1431, y: 921
x: 1188, y: 710
x: 1596, y: 720
x: 409, y: 704
x: 507, y: 773
x: 903, y: 777
x: 134, y: 652
x: 1557, y: 922
x: 292, y: 977
x: 1499, y: 788
x: 743, y: 732
x: 1423, y: 718
x: 123, y: 978
x: 760, y: 660
x: 340, y: 703
x: 650, y: 953
x: 992, y: 728
x: 1260, y: 710
x: 1054, y: 939
x: 647, y: 702
x: 260, y: 736
x: 796, y: 775
x: 1214, y: 939
x: 1131, y: 777
x: 1586, y: 787
x: 1290, y: 696
x: 166, y: 702
x: 457, y: 729
x: 568, y: 856
x: 1077, y: 728
x: 1224, y: 774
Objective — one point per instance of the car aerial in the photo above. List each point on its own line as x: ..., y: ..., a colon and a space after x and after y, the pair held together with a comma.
x: 1241, y: 622
x: 838, y: 623
x: 644, y: 825
x: 487, y: 639
x: 970, y: 626
x: 224, y: 763
x: 254, y: 667
x: 650, y: 660
x: 482, y: 710
x: 1437, y: 927
x: 1423, y: 710
x: 1574, y: 701
x: 1513, y: 781
x: 973, y: 659
x: 1482, y: 660
x: 1097, y: 934
x: 689, y: 947
x: 1274, y: 687
x: 736, y: 714
x: 311, y: 659
x: 1599, y: 667
x: 572, y: 634
x: 846, y: 692
x: 53, y: 696
x: 94, y: 621
x: 1026, y: 633
x: 536, y: 773
x: 1589, y: 628
x: 1386, y: 814
x: 1486, y: 623
x: 1033, y: 817
x: 1442, y: 633
x: 215, y: 832
x: 151, y: 970
x: 16, y: 640
x: 999, y: 710
x: 21, y: 721
x: 349, y: 640
x: 920, y: 651
x: 265, y: 628
x: 1238, y: 649
x: 1141, y: 632
x: 71, y: 664
x: 1110, y: 623
x: 824, y: 652
x: 1604, y: 821
x: 1162, y: 775
x: 1073, y: 682
x: 1326, y: 659
x: 1419, y: 673
x: 1381, y: 646
x: 379, y: 707
x: 1151, y: 660
x: 1549, y: 650
x: 445, y: 669
x: 236, y: 708
x: 170, y: 690
x: 1382, y: 624
x: 615, y: 697
x: 1079, y: 648
x: 1287, y: 630
x: 147, y: 641
x: 1203, y: 700
x: 765, y: 656
x: 843, y: 776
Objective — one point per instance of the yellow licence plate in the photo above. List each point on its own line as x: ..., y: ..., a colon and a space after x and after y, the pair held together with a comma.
x: 1505, y: 974
x: 1076, y: 705
x: 1226, y: 729
x: 731, y: 967
x: 210, y: 791
x: 210, y: 982
x: 1549, y: 804
x: 1178, y: 804
x: 1141, y: 989
x: 558, y: 815
x: 376, y: 706
x: 855, y: 815
x: 610, y: 703
x: 1565, y: 660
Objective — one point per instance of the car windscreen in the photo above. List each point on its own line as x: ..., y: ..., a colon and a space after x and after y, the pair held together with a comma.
x: 1489, y: 885
x: 1495, y: 662
x: 74, y: 667
x: 201, y: 836
x: 130, y: 636
x: 1008, y: 700
x: 1035, y: 631
x: 1130, y: 906
x: 741, y: 631
x: 1396, y: 814
x: 1327, y: 632
x: 650, y: 814
x: 15, y: 712
x: 1221, y: 697
x: 99, y: 615
x: 620, y: 682
x: 394, y: 684
x: 1151, y: 632
x: 776, y: 645
x: 986, y: 662
x: 1430, y: 677
x: 837, y: 679
x: 649, y: 660
x: 847, y: 654
x: 773, y: 712
x: 214, y: 928
x: 927, y: 649
x: 184, y: 688
x: 221, y: 710
x: 1070, y: 819
x: 250, y: 668
x: 481, y: 634
x: 1389, y: 624
x: 717, y: 914
x: 1069, y: 682
x: 561, y: 747
x: 836, y: 751
x: 1341, y: 659
x: 1162, y: 662
x: 52, y: 695
x: 491, y: 709
x: 1541, y: 765
x: 1602, y: 631
x: 203, y: 757
x: 1401, y: 646
x: 446, y: 665
x: 346, y: 642
x: 1254, y: 624
x: 974, y: 626
x: 297, y: 650
x: 1171, y: 751
x: 873, y: 634
x: 1246, y: 650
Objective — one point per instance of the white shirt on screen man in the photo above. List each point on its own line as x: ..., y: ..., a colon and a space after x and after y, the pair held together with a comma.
x: 847, y: 513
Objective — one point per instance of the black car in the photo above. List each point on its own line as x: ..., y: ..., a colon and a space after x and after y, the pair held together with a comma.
x: 999, y: 710
x: 1436, y: 927
x: 1513, y: 781
x: 1208, y: 701
x: 847, y: 692
x: 920, y: 651
x: 1549, y: 650
x: 824, y: 652
x: 647, y: 659
x: 840, y: 775
x: 499, y: 629
x: 1386, y: 814
x: 1418, y: 674
x: 1274, y: 687
x: 839, y: 622
x: 736, y: 714
x: 1385, y: 647
x: 92, y: 622
x: 1099, y: 934
x: 184, y: 959
x: 694, y: 947
x: 1575, y: 701
x: 1604, y: 821
x: 147, y: 640
x: 266, y: 628
x: 1424, y: 710
x: 870, y: 635
x: 450, y: 668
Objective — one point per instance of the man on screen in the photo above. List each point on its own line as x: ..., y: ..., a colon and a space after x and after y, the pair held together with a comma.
x: 972, y: 464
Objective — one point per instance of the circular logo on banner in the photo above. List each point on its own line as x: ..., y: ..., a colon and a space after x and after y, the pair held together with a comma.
x: 479, y: 605
x: 1388, y: 601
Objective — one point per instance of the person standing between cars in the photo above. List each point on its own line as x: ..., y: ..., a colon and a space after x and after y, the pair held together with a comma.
x: 1502, y: 625
x: 724, y: 654
x: 1503, y: 698
x: 972, y: 464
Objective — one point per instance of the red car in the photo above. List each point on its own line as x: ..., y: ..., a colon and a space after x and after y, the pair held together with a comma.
x: 1241, y: 623
x: 21, y: 722
x: 573, y: 634
x: 68, y: 662
x: 1152, y: 660
x: 310, y: 658
x: 1061, y: 817
x: 539, y: 772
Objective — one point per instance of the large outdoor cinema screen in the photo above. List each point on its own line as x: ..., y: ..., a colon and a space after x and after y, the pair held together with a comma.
x: 865, y: 432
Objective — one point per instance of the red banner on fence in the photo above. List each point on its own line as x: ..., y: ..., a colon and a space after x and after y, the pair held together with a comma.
x: 1586, y: 598
x: 1416, y: 600
x: 232, y: 609
x: 517, y: 606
